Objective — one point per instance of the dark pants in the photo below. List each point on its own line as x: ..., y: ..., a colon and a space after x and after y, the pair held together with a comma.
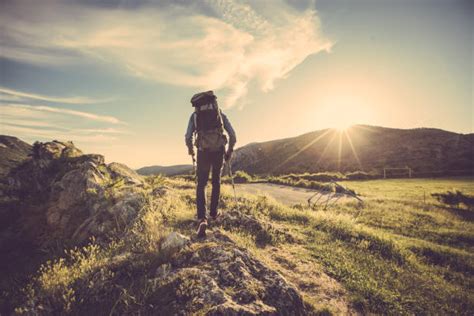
x: 207, y: 161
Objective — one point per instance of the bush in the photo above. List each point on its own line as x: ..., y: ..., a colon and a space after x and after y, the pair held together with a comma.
x: 361, y: 175
x: 455, y: 198
x: 320, y: 177
x: 242, y: 177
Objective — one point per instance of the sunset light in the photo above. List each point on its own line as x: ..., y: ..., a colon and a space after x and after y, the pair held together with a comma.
x: 229, y: 157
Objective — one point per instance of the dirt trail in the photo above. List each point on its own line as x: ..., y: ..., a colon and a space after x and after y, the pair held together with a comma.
x: 282, y: 193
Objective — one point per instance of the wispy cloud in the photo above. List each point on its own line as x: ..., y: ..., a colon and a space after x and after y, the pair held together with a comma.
x: 14, y: 95
x: 238, y: 44
x: 18, y: 110
x: 45, y: 123
x: 33, y: 134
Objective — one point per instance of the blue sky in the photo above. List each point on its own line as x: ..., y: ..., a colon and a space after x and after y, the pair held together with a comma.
x: 116, y: 76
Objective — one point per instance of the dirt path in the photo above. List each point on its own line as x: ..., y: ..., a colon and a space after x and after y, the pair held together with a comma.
x: 281, y: 193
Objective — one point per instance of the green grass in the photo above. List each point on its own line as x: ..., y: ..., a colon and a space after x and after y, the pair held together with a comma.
x: 401, y: 252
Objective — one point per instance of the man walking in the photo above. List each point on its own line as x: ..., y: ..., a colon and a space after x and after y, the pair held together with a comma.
x: 208, y: 123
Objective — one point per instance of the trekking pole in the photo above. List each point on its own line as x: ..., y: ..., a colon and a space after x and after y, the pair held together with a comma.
x: 194, y: 168
x: 232, y: 179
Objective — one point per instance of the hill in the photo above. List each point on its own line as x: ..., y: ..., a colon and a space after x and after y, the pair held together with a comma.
x: 165, y: 170
x: 82, y: 237
x: 367, y: 148
x: 13, y: 151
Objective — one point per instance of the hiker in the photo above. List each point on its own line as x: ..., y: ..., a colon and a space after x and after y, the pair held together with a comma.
x: 208, y: 123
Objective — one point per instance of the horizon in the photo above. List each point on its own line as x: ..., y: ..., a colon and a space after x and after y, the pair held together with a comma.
x: 116, y: 77
x: 344, y: 130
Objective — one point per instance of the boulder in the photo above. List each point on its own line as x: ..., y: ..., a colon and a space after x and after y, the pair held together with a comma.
x: 68, y: 196
x: 129, y: 175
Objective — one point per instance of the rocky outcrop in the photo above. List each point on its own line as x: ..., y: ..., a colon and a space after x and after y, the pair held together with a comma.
x: 62, y: 194
x: 13, y: 151
x: 217, y: 277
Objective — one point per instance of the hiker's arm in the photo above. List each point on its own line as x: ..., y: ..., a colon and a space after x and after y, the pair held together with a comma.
x: 188, y: 138
x: 230, y: 131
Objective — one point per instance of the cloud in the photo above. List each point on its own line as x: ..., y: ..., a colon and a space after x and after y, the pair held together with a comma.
x: 33, y: 134
x: 237, y: 44
x: 14, y: 95
x: 45, y: 123
x: 22, y: 109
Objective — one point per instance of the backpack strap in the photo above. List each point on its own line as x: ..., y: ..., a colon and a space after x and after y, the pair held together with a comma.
x: 195, y: 121
x: 219, y: 113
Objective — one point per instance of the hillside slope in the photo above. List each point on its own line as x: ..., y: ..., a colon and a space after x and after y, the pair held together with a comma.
x: 366, y: 148
x: 83, y: 237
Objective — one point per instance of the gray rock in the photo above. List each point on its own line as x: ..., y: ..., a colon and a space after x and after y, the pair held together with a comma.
x: 76, y: 196
x: 174, y: 242
x: 121, y: 170
x: 219, y: 278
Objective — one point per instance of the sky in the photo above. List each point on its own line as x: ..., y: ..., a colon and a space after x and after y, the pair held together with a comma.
x: 116, y: 76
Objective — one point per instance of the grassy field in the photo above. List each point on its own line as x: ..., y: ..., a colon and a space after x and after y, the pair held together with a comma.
x: 399, y: 252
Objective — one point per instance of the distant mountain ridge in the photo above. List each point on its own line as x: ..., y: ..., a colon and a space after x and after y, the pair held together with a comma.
x: 165, y: 170
x: 365, y: 148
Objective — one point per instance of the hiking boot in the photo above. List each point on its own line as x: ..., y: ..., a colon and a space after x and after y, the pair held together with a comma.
x: 201, y: 231
x: 216, y: 217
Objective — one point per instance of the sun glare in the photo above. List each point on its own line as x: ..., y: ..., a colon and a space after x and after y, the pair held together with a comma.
x: 342, y: 112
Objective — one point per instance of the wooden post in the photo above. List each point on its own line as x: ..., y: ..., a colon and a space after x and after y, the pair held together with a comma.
x: 384, y: 174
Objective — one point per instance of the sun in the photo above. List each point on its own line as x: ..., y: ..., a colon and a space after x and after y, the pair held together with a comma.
x: 342, y: 112
x: 343, y: 126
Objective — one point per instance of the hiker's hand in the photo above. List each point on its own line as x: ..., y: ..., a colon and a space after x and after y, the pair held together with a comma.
x: 191, y: 151
x: 228, y: 155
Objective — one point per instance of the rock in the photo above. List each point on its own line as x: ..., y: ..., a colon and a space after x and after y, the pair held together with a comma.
x: 160, y: 191
x: 71, y: 197
x: 219, y: 278
x: 163, y: 271
x: 121, y: 170
x: 13, y: 152
x: 174, y: 242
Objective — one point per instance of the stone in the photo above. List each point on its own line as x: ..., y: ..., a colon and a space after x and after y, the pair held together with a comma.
x: 174, y: 242
x: 74, y: 193
x: 223, y: 279
x: 125, y: 172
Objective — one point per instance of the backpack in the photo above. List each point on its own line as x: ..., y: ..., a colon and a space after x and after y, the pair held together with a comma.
x: 208, y: 122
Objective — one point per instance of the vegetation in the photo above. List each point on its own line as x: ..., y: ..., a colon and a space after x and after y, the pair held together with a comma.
x: 295, y: 181
x: 329, y: 176
x: 455, y: 198
x: 402, y: 252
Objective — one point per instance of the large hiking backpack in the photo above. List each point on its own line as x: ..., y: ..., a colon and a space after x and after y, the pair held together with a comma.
x: 208, y: 122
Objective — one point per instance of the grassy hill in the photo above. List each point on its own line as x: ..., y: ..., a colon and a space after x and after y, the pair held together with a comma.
x: 367, y: 148
x: 165, y: 170
x: 90, y: 238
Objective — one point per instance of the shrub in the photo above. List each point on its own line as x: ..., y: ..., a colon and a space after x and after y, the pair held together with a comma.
x: 361, y: 175
x: 242, y: 177
x: 454, y: 198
